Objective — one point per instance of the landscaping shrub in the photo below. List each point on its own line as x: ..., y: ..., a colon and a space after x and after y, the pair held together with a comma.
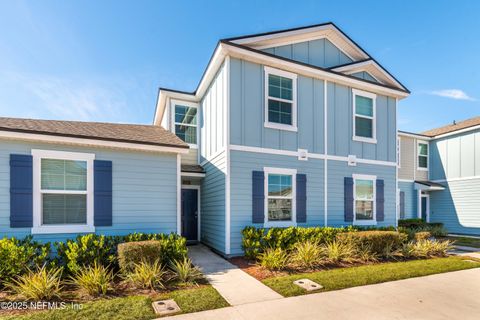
x: 430, y: 248
x: 339, y: 251
x: 411, y: 223
x: 274, y: 259
x: 17, y: 256
x: 147, y: 275
x: 422, y: 235
x: 132, y: 253
x: 437, y: 230
x: 306, y: 254
x: 185, y: 272
x: 95, y: 280
x: 41, y: 284
x: 381, y: 243
x: 252, y: 241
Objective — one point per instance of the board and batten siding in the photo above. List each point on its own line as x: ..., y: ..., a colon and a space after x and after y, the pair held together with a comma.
x: 143, y: 189
x: 247, y: 116
x: 411, y: 196
x: 213, y: 196
x: 320, y: 53
x: 365, y: 76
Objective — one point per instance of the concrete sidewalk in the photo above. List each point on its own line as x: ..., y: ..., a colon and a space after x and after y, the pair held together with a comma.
x: 236, y: 286
x: 451, y: 295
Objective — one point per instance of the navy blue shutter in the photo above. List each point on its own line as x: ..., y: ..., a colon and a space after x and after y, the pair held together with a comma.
x: 301, y: 198
x: 102, y: 190
x: 258, y: 196
x: 348, y: 198
x: 380, y: 200
x: 21, y: 191
x: 402, y: 205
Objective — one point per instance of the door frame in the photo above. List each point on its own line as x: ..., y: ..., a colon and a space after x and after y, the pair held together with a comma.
x: 199, y: 215
x: 427, y: 196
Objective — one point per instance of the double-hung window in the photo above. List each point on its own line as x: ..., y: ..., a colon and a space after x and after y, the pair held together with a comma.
x: 280, y: 187
x: 422, y: 156
x: 63, y: 192
x: 364, y: 122
x: 280, y: 99
x: 364, y: 198
x: 185, y: 121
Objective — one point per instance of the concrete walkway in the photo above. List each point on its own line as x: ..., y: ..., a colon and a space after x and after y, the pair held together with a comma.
x: 451, y: 295
x: 236, y: 286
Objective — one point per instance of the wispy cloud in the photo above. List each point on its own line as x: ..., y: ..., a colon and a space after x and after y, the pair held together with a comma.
x: 456, y: 94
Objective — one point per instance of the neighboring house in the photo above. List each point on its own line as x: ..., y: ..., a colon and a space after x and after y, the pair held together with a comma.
x: 439, y: 176
x: 294, y: 127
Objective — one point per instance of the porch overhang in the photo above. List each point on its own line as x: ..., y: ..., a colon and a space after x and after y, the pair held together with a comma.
x: 428, y: 186
x: 195, y: 171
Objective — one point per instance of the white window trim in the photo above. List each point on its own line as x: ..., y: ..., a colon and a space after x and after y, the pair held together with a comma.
x: 38, y: 228
x: 356, y: 92
x: 365, y: 222
x: 418, y: 155
x: 293, y: 173
x: 174, y: 102
x: 293, y: 77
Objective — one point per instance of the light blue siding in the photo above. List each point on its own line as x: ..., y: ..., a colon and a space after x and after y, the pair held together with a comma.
x: 340, y: 126
x: 320, y: 53
x: 243, y: 163
x: 144, y: 190
x: 337, y: 170
x: 457, y: 206
x: 410, y: 199
x: 213, y: 203
x: 365, y: 76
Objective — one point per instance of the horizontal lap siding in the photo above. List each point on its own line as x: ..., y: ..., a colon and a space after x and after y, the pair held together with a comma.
x: 242, y: 165
x: 410, y: 199
x: 213, y: 203
x: 144, y: 190
x: 457, y: 206
x: 337, y: 170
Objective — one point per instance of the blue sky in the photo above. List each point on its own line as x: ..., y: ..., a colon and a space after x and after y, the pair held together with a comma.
x: 104, y: 60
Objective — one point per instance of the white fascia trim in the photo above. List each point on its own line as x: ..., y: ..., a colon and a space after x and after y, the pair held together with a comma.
x: 356, y: 92
x: 457, y: 179
x: 38, y: 227
x: 405, y: 180
x: 413, y: 135
x: 193, y: 174
x: 10, y: 135
x: 372, y: 178
x: 286, y: 171
x: 310, y: 155
x: 179, y: 195
x: 363, y: 66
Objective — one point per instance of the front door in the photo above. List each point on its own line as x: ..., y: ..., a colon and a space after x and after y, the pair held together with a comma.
x: 425, y: 207
x: 190, y: 214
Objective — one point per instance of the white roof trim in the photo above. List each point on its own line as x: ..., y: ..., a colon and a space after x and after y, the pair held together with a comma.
x: 328, y: 31
x: 414, y: 135
x: 46, y: 138
x: 372, y: 68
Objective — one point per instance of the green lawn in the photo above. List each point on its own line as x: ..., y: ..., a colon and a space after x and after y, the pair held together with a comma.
x: 465, y: 241
x: 369, y: 274
x: 135, y: 307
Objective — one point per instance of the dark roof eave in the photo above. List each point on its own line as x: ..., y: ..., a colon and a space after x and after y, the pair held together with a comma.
x: 94, y: 138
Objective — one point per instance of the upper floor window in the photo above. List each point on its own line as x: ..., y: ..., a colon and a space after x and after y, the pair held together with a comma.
x: 280, y: 196
x: 364, y: 122
x: 423, y: 155
x: 364, y: 197
x: 280, y: 99
x: 185, y: 121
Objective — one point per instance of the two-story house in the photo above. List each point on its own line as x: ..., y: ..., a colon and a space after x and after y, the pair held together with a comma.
x: 293, y: 127
x: 439, y: 176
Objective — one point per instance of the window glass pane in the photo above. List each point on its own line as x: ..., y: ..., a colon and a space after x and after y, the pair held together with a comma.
x: 363, y: 127
x: 423, y: 162
x: 363, y: 210
x: 423, y: 149
x: 279, y: 209
x: 186, y: 133
x: 364, y: 189
x: 279, y: 112
x: 364, y: 106
x: 279, y: 185
x: 280, y: 87
x: 64, y: 208
x: 63, y: 174
x: 187, y: 115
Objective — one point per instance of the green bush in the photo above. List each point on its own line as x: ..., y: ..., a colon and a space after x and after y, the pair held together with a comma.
x: 185, y: 272
x: 17, y: 256
x: 379, y: 242
x: 339, y: 251
x: 422, y: 235
x: 306, y: 254
x: 147, y: 275
x: 252, y: 241
x: 41, y: 284
x: 132, y: 253
x: 411, y: 223
x: 429, y: 248
x: 95, y: 280
x: 274, y: 259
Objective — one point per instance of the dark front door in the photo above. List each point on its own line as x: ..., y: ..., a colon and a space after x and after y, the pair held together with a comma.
x: 190, y: 214
x: 424, y: 208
